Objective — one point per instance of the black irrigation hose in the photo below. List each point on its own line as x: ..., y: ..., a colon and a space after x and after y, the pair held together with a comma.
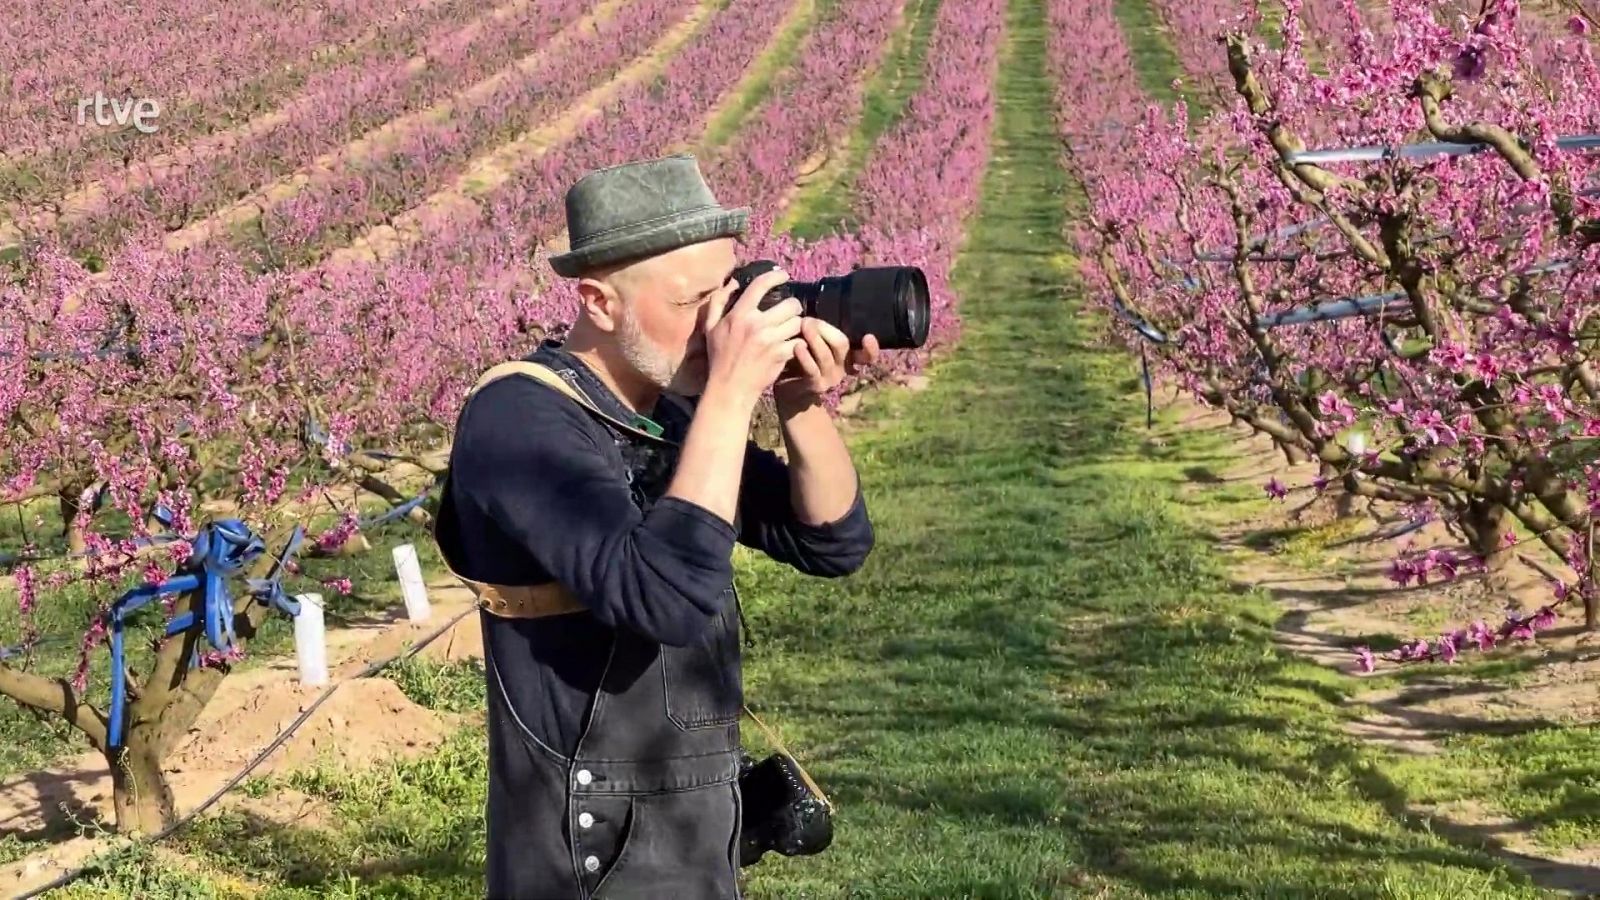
x: 261, y: 757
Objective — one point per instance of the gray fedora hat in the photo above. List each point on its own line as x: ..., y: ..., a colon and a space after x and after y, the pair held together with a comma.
x: 640, y: 209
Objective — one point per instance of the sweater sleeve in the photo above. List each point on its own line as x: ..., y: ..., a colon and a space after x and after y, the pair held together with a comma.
x: 525, y: 460
x: 767, y: 522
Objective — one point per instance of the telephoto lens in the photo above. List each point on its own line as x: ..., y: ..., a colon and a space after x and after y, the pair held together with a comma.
x: 889, y: 302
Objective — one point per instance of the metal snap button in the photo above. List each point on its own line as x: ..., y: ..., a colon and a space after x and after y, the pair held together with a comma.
x: 585, y: 820
x: 585, y: 776
x: 592, y: 863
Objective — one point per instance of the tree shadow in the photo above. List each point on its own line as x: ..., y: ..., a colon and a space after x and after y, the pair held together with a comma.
x: 1547, y: 873
x: 308, y: 857
x: 58, y: 810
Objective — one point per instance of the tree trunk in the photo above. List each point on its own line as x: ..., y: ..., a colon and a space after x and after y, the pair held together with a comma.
x: 1591, y: 611
x: 1487, y: 525
x: 1344, y: 502
x: 69, y: 505
x: 139, y: 788
x: 1294, y: 454
x: 1344, y: 505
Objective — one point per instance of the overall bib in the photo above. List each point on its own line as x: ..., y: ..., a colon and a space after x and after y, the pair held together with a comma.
x: 648, y: 805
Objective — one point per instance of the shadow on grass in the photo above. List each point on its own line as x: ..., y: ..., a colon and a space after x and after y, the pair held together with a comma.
x: 1554, y: 875
x: 312, y: 859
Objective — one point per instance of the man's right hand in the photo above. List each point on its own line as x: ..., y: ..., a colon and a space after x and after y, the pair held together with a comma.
x: 747, y: 347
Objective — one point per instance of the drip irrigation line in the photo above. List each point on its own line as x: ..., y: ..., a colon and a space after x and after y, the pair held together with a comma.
x: 261, y: 757
x: 1376, y: 153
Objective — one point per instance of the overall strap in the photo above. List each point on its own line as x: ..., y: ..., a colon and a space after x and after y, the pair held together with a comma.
x: 549, y: 378
x: 544, y: 375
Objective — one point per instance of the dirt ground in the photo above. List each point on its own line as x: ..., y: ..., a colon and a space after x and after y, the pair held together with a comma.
x: 364, y: 722
x: 1335, y: 593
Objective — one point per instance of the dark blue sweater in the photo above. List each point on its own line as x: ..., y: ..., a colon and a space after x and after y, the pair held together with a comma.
x: 532, y: 497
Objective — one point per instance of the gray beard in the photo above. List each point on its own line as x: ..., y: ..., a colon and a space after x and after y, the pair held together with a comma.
x: 643, y: 356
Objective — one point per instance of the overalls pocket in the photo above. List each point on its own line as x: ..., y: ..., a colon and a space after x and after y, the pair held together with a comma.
x: 702, y: 679
x: 675, y: 848
x: 608, y: 836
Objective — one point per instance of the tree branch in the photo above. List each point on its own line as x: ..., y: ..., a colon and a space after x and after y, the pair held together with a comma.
x: 57, y: 697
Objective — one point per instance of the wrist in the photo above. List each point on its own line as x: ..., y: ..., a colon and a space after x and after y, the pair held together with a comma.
x: 726, y: 399
x: 792, y: 400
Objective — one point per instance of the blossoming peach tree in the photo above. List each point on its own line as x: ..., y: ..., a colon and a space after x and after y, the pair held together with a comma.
x: 190, y: 420
x: 1384, y: 259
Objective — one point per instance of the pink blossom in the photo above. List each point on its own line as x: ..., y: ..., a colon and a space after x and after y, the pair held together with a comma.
x: 1364, y: 660
x: 1335, y: 407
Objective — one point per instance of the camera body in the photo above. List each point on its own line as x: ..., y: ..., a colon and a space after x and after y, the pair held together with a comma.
x: 888, y: 302
x: 781, y: 812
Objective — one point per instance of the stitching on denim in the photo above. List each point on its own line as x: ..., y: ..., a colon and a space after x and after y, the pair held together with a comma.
x: 527, y: 733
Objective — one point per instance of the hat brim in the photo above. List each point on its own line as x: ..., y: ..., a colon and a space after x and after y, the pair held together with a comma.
x: 651, y: 238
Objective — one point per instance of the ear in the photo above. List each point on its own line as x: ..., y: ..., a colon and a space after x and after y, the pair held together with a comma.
x: 599, y: 302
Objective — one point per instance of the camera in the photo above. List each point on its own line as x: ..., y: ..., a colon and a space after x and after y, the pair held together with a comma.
x: 782, y: 812
x: 890, y: 302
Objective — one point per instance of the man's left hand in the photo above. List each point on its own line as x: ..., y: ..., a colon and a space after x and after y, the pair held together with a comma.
x: 821, y: 363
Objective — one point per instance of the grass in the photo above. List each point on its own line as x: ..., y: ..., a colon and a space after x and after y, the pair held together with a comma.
x: 1153, y: 56
x: 824, y: 205
x: 1042, y: 684
x: 1544, y: 778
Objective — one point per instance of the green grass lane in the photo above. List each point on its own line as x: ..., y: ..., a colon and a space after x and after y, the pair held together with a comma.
x: 756, y: 86
x: 1043, y: 683
x: 1152, y: 54
x: 823, y: 206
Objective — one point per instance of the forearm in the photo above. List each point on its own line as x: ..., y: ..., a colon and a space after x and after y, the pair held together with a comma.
x: 712, y: 459
x: 822, y: 476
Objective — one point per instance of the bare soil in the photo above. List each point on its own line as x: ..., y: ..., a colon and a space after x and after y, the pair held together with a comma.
x: 363, y: 723
x: 1335, y: 594
x: 459, y: 203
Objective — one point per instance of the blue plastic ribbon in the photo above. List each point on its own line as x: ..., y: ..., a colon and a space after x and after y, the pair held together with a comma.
x: 1149, y: 391
x: 397, y: 512
x: 221, y: 549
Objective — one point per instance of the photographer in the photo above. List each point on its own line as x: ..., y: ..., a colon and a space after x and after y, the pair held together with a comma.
x: 600, y: 527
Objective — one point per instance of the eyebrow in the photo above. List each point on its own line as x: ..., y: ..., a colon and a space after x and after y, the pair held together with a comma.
x: 700, y: 295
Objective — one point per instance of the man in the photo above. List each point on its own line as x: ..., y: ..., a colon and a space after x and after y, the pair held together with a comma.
x: 611, y: 630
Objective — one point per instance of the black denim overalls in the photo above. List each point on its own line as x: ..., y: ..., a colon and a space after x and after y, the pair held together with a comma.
x: 648, y: 805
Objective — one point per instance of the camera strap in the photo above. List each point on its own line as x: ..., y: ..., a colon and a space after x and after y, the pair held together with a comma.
x: 778, y: 742
x: 544, y: 375
x: 642, y: 426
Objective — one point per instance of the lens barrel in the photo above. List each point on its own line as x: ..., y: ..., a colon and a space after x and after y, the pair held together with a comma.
x: 890, y: 302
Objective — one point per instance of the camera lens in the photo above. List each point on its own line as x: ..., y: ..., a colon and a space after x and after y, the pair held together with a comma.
x: 890, y: 302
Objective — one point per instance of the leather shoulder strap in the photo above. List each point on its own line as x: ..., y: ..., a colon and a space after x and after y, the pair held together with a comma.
x: 544, y: 375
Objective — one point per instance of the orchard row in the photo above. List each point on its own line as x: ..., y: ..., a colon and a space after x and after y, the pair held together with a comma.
x: 1420, y: 323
